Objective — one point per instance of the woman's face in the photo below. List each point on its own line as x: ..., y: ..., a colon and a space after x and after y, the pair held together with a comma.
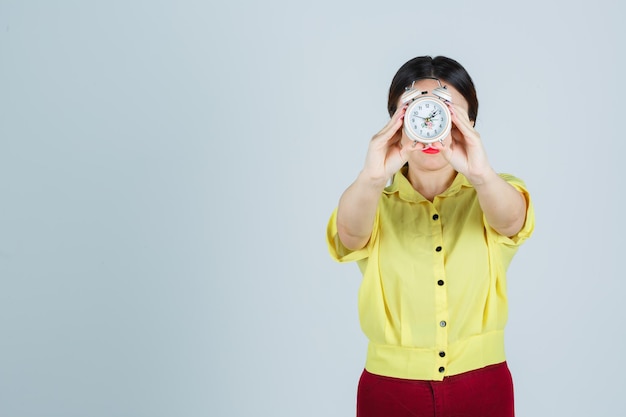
x: 424, y: 156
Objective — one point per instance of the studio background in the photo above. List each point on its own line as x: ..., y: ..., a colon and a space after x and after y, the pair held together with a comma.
x: 167, y: 169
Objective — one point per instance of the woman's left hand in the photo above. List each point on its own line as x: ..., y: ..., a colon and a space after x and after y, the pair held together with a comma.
x: 463, y: 148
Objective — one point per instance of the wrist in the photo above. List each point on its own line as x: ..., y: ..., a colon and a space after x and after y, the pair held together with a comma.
x: 374, y: 182
x: 483, y: 178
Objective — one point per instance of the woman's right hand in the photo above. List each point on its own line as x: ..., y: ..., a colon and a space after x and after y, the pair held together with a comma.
x: 385, y: 155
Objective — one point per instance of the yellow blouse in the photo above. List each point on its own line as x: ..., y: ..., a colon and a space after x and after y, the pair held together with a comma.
x: 433, y: 297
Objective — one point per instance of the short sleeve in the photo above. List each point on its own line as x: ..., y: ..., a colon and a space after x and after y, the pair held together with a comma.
x: 338, y: 251
x: 529, y: 223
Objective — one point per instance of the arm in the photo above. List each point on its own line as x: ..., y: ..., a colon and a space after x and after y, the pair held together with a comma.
x: 358, y: 204
x: 356, y: 211
x: 504, y: 206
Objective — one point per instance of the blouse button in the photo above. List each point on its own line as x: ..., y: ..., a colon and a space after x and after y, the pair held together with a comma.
x: 441, y: 369
x: 435, y: 216
x: 442, y: 323
x: 440, y: 282
x: 438, y: 248
x: 442, y: 354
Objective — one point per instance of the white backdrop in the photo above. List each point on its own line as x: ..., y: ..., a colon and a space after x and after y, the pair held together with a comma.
x: 167, y: 169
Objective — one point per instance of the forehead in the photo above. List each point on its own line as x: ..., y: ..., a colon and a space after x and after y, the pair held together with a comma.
x: 429, y: 84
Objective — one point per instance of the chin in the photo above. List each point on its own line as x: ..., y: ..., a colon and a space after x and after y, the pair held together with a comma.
x: 432, y: 163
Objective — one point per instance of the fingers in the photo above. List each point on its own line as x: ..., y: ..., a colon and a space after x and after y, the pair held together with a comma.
x: 460, y: 117
x: 462, y: 127
x: 391, y: 128
x: 385, y: 154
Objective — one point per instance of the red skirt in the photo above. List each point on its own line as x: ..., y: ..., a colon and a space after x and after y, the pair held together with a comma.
x: 485, y: 392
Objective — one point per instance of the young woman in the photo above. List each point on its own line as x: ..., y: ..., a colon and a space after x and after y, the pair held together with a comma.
x: 433, y: 246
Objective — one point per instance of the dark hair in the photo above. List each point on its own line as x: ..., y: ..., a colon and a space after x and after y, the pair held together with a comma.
x: 447, y: 70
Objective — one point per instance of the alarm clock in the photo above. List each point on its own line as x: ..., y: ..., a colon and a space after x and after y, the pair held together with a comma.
x: 427, y: 118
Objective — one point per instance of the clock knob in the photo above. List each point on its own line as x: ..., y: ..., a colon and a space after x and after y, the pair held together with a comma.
x: 442, y: 93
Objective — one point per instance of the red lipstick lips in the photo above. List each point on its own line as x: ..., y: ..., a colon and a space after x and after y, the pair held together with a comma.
x: 430, y: 150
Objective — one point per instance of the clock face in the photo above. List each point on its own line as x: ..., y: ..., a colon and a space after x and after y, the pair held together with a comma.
x: 427, y: 120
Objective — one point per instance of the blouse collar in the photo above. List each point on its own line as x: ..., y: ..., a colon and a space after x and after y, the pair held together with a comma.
x: 405, y: 190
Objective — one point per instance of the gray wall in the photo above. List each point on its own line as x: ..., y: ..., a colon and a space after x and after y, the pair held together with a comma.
x: 167, y: 169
